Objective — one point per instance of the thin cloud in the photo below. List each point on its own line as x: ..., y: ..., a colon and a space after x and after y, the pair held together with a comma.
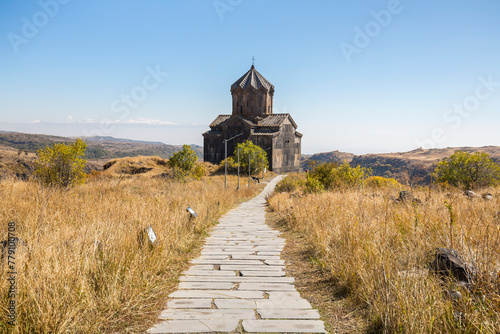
x: 138, y: 121
x: 147, y: 121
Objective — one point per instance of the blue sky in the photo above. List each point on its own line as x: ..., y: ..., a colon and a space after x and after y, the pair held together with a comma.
x: 356, y: 76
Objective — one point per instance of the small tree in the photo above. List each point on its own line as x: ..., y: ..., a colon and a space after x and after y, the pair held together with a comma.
x: 258, y: 157
x: 468, y: 171
x: 185, y: 159
x: 62, y: 164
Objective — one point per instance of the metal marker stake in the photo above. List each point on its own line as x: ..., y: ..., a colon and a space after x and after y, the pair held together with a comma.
x: 249, y: 169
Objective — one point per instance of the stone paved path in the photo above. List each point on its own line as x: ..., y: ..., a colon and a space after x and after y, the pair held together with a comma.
x: 239, y: 282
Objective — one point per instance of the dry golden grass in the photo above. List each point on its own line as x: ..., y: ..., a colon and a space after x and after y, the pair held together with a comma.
x: 378, y: 251
x: 126, y: 167
x: 83, y: 270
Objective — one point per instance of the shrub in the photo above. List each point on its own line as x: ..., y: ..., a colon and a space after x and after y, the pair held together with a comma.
x: 313, y: 184
x: 185, y: 159
x: 332, y: 176
x: 62, y: 165
x: 468, y: 171
x: 351, y: 176
x: 381, y: 182
x: 179, y: 174
x: 232, y: 165
x: 324, y: 173
x: 199, y: 171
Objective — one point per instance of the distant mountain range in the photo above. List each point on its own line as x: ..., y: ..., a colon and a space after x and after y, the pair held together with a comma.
x: 98, y: 147
x: 413, y: 167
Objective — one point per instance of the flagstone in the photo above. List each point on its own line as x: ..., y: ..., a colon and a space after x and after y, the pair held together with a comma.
x: 284, y: 326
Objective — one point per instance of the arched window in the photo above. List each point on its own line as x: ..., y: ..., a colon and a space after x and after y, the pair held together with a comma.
x: 241, y: 110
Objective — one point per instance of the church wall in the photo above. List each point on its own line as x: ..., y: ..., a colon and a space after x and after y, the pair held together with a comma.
x: 213, y: 149
x: 287, y: 152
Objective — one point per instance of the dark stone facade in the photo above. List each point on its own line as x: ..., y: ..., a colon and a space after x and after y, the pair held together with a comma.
x: 253, y: 117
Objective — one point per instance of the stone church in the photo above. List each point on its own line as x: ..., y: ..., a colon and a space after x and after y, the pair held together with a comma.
x: 253, y: 117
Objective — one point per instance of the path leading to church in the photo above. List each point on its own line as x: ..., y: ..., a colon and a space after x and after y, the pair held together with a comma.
x: 239, y: 282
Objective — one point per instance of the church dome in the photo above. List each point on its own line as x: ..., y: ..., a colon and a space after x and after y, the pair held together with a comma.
x: 252, y: 79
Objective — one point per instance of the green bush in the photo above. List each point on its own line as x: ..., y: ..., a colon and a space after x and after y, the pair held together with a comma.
x: 333, y: 176
x: 324, y: 173
x: 468, y: 171
x: 62, y: 165
x: 185, y: 159
x: 313, y: 184
x: 351, y: 176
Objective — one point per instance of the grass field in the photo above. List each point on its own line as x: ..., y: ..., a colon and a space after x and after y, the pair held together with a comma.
x: 82, y: 269
x: 378, y: 251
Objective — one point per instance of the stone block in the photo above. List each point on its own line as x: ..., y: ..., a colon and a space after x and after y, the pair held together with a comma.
x: 210, y: 314
x: 189, y: 303
x: 195, y: 326
x: 202, y: 294
x: 284, y: 326
x: 270, y: 313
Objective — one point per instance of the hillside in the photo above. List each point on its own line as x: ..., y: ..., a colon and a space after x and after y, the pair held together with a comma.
x: 334, y: 156
x: 410, y: 167
x: 18, y: 150
x: 98, y: 147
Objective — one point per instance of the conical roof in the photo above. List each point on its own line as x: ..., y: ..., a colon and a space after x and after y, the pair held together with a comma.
x: 252, y: 79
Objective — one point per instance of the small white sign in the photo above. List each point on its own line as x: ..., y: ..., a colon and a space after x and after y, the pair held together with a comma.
x: 151, y: 235
x: 191, y: 211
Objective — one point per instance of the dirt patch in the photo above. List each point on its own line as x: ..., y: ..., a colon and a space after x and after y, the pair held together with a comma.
x: 316, y: 285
